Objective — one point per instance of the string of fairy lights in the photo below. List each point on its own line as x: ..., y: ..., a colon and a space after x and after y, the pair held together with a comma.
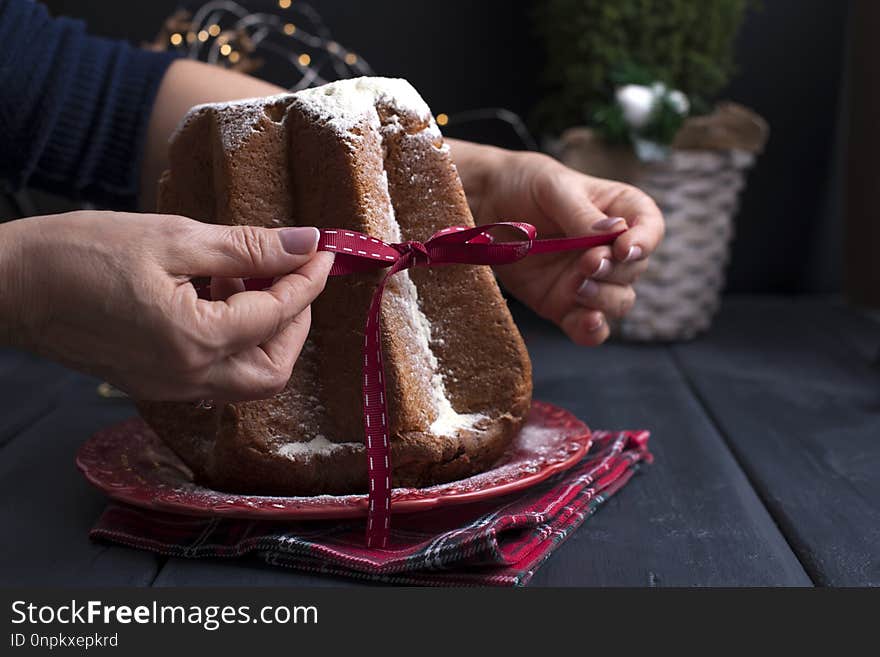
x: 225, y: 33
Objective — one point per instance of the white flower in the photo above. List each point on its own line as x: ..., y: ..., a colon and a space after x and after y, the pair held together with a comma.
x: 659, y: 89
x: 637, y: 102
x: 679, y: 102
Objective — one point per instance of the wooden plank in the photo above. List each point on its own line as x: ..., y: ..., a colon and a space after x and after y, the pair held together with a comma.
x: 30, y: 387
x: 858, y: 328
x: 690, y: 519
x: 800, y: 407
x: 241, y: 572
x: 47, y: 508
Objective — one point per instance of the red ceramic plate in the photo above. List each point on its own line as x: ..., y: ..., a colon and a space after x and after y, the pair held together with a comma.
x: 131, y: 464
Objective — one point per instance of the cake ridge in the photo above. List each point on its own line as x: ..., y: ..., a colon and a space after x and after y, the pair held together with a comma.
x: 403, y: 291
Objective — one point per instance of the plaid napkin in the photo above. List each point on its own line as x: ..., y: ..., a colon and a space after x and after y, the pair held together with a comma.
x: 498, y: 542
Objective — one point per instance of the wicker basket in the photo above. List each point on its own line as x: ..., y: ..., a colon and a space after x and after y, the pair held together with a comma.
x: 698, y: 191
x: 681, y: 290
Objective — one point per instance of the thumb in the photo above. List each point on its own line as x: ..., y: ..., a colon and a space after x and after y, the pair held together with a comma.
x: 244, y: 251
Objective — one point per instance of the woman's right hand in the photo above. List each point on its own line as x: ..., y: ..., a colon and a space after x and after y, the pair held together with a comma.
x: 109, y: 293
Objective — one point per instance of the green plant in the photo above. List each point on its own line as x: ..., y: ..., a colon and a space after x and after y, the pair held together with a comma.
x: 686, y: 44
x: 663, y: 121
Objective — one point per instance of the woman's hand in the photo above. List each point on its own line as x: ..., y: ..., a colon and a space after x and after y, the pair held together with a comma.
x: 110, y: 293
x: 577, y: 290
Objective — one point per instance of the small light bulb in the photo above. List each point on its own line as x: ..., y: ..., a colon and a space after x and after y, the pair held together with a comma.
x: 289, y: 28
x: 284, y: 4
x: 351, y: 59
x: 442, y: 119
x: 190, y: 37
x: 203, y: 36
x: 304, y: 59
x: 234, y: 56
x: 214, y: 30
x: 225, y: 49
x: 176, y: 39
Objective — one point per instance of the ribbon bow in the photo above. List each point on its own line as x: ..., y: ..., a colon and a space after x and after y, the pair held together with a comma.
x: 356, y: 252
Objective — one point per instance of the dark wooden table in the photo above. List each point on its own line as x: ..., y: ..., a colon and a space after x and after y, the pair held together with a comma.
x: 766, y: 433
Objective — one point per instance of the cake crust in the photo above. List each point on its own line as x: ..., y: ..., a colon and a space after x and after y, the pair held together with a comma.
x: 364, y: 155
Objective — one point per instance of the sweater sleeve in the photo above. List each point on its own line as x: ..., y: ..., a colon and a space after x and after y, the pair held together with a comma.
x: 74, y: 108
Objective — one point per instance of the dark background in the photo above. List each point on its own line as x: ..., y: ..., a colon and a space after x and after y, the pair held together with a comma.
x: 462, y: 54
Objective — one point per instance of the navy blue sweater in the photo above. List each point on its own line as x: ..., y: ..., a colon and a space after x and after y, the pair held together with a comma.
x: 74, y: 108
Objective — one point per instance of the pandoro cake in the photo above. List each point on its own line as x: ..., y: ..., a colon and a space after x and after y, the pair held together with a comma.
x: 362, y: 154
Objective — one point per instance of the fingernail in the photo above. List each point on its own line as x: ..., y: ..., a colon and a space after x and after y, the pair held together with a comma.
x: 607, y: 224
x: 603, y: 269
x: 634, y: 253
x: 596, y: 324
x: 299, y: 241
x: 588, y: 289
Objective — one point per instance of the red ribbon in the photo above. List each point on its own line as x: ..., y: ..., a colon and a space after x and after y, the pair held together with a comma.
x: 356, y: 252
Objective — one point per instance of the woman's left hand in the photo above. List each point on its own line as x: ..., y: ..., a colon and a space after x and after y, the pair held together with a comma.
x: 577, y: 290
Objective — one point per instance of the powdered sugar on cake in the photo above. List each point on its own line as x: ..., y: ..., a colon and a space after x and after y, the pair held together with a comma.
x: 342, y: 105
x: 317, y: 445
x: 447, y: 420
x: 347, y: 103
x: 241, y: 122
x: 403, y: 296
